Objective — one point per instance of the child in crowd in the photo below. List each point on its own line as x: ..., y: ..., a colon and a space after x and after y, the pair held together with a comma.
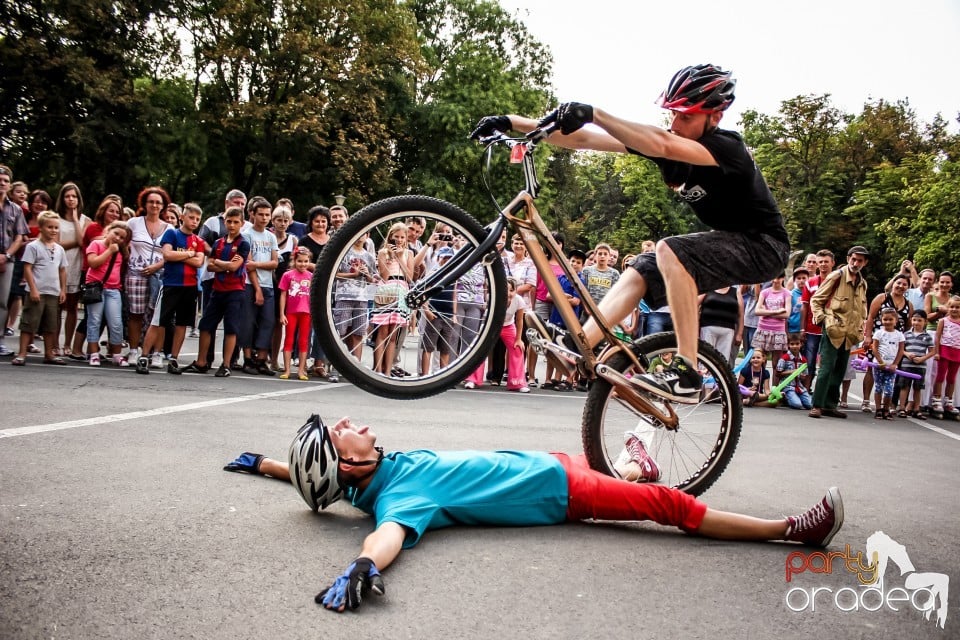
x: 357, y: 270
x: 800, y: 276
x: 796, y: 395
x: 772, y: 311
x: 510, y: 336
x: 887, y: 349
x: 756, y: 378
x: 661, y: 362
x: 184, y: 253
x: 295, y: 312
x: 104, y: 262
x: 917, y: 349
x: 600, y: 277
x: 228, y: 263
x: 256, y: 333
x: 947, y: 345
x: 45, y: 272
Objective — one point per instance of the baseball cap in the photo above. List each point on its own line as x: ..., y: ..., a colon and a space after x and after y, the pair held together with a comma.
x: 578, y: 253
x: 800, y: 270
x: 858, y: 249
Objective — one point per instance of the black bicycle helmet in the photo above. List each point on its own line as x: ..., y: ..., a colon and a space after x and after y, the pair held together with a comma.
x: 314, y: 465
x: 703, y: 88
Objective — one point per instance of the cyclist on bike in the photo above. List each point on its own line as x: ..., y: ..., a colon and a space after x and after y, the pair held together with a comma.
x: 710, y: 169
x: 413, y: 492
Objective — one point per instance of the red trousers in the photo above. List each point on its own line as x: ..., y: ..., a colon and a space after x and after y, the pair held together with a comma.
x: 297, y: 324
x: 593, y: 495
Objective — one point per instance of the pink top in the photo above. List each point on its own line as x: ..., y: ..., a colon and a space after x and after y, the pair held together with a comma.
x: 97, y: 248
x: 950, y: 336
x: 542, y: 292
x: 297, y: 286
x: 773, y: 301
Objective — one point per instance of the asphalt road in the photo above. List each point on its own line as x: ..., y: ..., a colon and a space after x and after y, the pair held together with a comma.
x: 116, y: 521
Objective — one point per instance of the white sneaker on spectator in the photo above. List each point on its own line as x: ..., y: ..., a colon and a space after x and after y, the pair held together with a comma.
x: 156, y: 360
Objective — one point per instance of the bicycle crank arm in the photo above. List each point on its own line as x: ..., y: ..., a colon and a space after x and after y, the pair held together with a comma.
x: 558, y: 356
x: 636, y: 399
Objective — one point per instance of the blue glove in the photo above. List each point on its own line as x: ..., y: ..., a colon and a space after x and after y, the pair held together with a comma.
x: 362, y: 575
x: 569, y: 116
x: 247, y: 462
x: 488, y: 125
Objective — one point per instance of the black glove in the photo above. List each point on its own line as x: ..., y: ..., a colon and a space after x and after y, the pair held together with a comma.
x: 362, y: 575
x: 570, y: 116
x: 489, y: 124
x: 247, y: 462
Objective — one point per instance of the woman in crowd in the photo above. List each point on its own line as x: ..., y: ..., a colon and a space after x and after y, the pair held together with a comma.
x: 721, y: 320
x: 395, y: 264
x: 286, y: 247
x: 36, y: 203
x: 72, y: 225
x: 142, y: 283
x: 318, y: 221
x: 897, y: 301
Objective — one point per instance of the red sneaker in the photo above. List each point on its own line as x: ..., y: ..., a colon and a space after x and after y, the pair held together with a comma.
x: 817, y: 526
x: 647, y: 466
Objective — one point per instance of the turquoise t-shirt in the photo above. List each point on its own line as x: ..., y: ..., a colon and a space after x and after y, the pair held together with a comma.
x: 424, y: 490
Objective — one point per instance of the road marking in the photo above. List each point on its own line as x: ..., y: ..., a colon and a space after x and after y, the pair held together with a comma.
x: 148, y: 413
x: 925, y: 425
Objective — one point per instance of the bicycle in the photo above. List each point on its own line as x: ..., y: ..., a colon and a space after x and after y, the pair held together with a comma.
x: 692, y: 443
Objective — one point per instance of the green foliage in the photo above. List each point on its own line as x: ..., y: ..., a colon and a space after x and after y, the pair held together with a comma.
x: 311, y: 98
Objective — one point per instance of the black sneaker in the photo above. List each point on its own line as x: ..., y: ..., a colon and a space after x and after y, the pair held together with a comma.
x: 173, y: 367
x: 193, y: 367
x: 264, y: 370
x: 680, y: 383
x: 222, y: 372
x: 143, y: 365
x: 250, y: 369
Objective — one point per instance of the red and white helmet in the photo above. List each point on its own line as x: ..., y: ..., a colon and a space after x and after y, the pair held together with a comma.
x: 703, y: 88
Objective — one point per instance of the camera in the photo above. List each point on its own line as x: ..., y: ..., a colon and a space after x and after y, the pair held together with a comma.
x: 446, y: 237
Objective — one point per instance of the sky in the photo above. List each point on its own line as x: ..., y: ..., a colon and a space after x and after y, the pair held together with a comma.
x: 619, y: 54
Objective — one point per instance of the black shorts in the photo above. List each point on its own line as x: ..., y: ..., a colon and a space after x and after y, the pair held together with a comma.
x: 906, y: 383
x: 716, y: 259
x: 176, y: 303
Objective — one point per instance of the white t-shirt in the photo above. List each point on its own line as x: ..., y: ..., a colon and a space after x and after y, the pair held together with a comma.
x: 262, y: 245
x: 144, y: 249
x: 510, y: 317
x: 888, y: 344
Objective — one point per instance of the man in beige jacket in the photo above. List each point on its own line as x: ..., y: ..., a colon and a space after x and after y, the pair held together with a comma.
x: 840, y: 307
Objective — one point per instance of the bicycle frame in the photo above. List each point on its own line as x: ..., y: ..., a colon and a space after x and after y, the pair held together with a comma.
x: 522, y: 214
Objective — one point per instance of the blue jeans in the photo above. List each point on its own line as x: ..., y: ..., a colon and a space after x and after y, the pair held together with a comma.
x: 811, y: 349
x: 796, y: 400
x: 257, y: 328
x: 109, y: 309
x: 657, y: 322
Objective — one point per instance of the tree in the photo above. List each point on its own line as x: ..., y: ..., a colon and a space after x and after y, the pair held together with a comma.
x: 67, y: 102
x: 297, y: 96
x: 477, y: 61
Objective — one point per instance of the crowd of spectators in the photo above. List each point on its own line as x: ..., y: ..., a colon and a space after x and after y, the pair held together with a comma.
x: 145, y: 276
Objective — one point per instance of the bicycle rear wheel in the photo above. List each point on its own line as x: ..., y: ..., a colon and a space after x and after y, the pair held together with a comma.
x: 691, y: 457
x: 367, y: 330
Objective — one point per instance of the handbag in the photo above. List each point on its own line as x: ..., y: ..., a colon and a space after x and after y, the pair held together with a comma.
x: 93, y: 291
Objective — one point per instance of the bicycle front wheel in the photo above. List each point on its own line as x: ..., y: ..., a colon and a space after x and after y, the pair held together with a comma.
x: 364, y: 324
x: 692, y: 456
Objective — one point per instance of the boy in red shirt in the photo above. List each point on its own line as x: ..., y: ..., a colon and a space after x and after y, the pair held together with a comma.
x: 227, y: 262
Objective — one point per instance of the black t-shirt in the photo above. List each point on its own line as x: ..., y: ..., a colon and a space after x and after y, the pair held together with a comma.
x: 732, y: 196
x: 720, y: 309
